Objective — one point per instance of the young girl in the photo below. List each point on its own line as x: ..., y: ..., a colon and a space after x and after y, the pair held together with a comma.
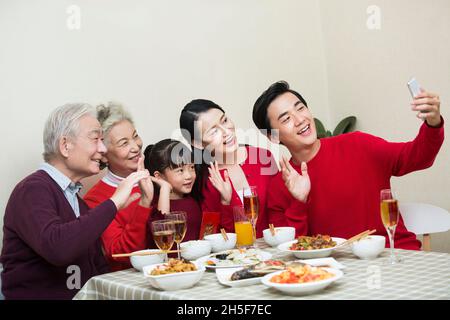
x: 171, y: 163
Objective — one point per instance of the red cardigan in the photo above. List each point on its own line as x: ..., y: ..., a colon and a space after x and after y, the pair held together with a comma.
x: 127, y: 232
x: 259, y: 168
x: 346, y: 176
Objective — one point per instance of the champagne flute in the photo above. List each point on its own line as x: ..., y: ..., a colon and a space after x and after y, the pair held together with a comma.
x: 389, y: 216
x: 251, y: 207
x: 164, y: 235
x: 178, y: 218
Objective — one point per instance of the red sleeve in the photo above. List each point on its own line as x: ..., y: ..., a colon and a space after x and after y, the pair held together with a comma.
x: 401, y: 158
x: 127, y: 237
x: 284, y: 210
x: 127, y: 232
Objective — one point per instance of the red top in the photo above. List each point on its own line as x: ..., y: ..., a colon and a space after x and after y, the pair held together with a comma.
x: 259, y: 168
x: 130, y: 230
x: 346, y: 176
x: 127, y: 232
x: 193, y: 218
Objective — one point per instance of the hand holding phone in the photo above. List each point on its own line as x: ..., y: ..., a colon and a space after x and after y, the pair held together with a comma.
x: 414, y: 87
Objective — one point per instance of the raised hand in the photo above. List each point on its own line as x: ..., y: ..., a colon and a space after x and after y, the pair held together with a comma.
x: 298, y: 185
x: 428, y: 106
x: 165, y: 188
x: 121, y: 197
x: 223, y: 186
x: 146, y: 185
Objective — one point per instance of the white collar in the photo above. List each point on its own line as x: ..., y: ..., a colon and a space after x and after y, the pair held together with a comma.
x: 112, y: 179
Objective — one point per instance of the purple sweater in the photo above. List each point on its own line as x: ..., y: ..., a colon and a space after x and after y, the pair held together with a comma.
x: 42, y: 237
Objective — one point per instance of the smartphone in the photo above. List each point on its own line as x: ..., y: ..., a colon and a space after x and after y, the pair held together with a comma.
x: 414, y: 87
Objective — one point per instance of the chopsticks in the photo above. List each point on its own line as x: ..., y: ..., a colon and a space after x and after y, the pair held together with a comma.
x: 124, y: 255
x: 272, y: 229
x: 224, y: 234
x: 358, y: 237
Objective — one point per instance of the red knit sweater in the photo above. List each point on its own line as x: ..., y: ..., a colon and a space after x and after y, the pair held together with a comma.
x: 346, y: 176
x: 259, y: 168
x: 127, y: 232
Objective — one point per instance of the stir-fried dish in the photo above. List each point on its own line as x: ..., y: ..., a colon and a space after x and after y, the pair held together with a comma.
x: 301, y: 274
x: 174, y: 266
x: 313, y: 243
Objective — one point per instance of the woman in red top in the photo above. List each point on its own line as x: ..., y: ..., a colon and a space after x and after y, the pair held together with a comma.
x: 232, y: 168
x: 127, y: 232
x: 338, y: 192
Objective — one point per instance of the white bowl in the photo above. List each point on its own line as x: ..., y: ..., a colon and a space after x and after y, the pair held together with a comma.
x: 138, y: 262
x: 310, y: 254
x: 282, y: 234
x: 302, y: 288
x: 218, y: 243
x: 173, y: 281
x: 369, y: 248
x: 195, y: 249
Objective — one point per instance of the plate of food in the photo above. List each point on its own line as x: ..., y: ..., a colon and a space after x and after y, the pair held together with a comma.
x: 234, y: 258
x: 174, y: 274
x: 304, y: 247
x: 246, y: 276
x: 301, y: 278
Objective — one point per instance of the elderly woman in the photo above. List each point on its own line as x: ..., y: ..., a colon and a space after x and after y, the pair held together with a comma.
x: 127, y: 232
x: 51, y: 243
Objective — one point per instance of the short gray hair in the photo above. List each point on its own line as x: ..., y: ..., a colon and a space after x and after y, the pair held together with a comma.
x: 63, y: 121
x: 111, y: 114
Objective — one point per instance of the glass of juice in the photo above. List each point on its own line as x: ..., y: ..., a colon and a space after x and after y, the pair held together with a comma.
x: 179, y: 220
x: 390, y: 216
x: 242, y: 227
x: 251, y: 207
x: 164, y: 235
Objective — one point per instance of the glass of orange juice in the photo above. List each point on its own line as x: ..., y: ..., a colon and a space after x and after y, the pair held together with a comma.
x: 243, y: 227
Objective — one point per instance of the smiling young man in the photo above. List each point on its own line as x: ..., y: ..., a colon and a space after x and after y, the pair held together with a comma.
x: 332, y: 185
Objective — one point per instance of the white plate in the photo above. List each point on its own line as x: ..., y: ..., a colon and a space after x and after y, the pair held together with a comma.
x: 310, y: 254
x: 224, y: 275
x: 202, y: 261
x: 324, y: 262
x: 302, y: 288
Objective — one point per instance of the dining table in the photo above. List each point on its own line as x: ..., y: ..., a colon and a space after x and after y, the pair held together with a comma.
x: 421, y: 275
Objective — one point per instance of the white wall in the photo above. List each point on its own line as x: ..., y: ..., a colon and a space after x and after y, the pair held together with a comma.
x: 367, y: 71
x: 155, y: 56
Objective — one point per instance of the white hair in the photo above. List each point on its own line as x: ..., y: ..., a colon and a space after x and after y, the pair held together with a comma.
x: 63, y: 121
x: 110, y: 115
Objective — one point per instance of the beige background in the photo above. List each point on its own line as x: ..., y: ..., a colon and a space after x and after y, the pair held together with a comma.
x: 155, y: 56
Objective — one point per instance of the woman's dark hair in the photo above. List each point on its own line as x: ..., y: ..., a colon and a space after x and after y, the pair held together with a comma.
x: 189, y: 115
x: 262, y: 103
x: 167, y: 154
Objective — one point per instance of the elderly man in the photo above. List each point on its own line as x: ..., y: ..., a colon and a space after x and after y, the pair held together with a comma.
x: 332, y: 185
x: 51, y: 241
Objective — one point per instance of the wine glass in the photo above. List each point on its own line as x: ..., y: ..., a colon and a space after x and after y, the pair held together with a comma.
x: 389, y: 216
x: 178, y: 218
x: 251, y: 207
x: 164, y: 235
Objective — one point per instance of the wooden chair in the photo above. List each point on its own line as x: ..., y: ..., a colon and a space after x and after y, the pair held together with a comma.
x: 425, y: 219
